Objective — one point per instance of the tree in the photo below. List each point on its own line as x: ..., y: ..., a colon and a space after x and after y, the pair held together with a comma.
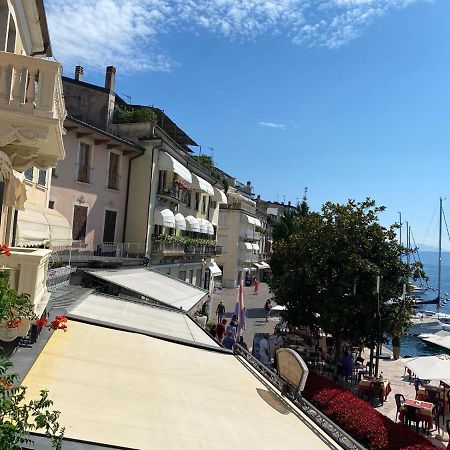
x: 325, y: 273
x: 19, y: 417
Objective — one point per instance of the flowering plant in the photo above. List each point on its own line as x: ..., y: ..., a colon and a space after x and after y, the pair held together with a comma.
x: 359, y: 419
x: 59, y: 323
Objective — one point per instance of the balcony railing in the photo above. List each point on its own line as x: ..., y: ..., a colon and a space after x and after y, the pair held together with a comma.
x: 167, y: 248
x: 175, y: 193
x: 190, y: 249
x: 31, y: 91
x: 248, y: 257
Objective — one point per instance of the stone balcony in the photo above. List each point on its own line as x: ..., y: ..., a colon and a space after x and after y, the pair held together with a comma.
x: 29, y: 268
x: 32, y: 110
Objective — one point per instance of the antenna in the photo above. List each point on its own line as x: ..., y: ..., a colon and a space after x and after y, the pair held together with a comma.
x: 127, y: 96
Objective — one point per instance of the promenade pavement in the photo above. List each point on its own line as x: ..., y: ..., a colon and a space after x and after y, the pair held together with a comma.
x: 255, y: 321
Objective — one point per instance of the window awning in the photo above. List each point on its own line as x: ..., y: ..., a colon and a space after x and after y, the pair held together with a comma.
x: 265, y: 265
x: 219, y: 196
x: 257, y: 222
x: 259, y: 265
x: 37, y: 225
x: 192, y: 224
x: 199, y: 184
x: 248, y: 245
x: 168, y: 162
x: 214, y: 269
x: 164, y: 217
x: 206, y: 226
x: 251, y: 219
x: 255, y: 247
x: 180, y: 222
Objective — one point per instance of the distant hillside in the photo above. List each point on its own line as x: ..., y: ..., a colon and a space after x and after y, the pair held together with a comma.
x: 429, y: 248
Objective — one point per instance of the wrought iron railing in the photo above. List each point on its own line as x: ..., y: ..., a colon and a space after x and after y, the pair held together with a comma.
x: 320, y: 419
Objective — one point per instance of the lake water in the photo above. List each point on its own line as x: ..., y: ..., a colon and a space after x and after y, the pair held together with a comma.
x: 411, y: 345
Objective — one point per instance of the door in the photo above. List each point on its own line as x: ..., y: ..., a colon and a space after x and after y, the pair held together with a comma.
x: 109, y: 229
x: 79, y: 223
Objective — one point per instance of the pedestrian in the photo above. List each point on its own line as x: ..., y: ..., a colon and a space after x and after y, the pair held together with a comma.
x: 232, y: 328
x: 242, y: 343
x: 229, y: 341
x: 220, y: 330
x: 267, y: 308
x: 205, y: 306
x: 220, y: 311
x: 264, y: 351
x: 213, y: 331
x: 255, y: 291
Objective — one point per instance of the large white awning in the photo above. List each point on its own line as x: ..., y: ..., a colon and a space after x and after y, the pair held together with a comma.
x: 248, y: 245
x: 257, y: 222
x: 180, y: 222
x: 250, y: 219
x: 37, y: 225
x: 206, y: 226
x: 154, y: 285
x: 193, y: 224
x: 168, y: 162
x: 255, y: 247
x: 214, y: 269
x: 199, y: 184
x: 164, y: 217
x: 219, y: 196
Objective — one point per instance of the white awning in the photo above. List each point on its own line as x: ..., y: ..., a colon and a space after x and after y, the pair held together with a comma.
x: 164, y: 217
x: 257, y: 222
x: 206, y: 226
x: 264, y: 265
x: 199, y: 184
x: 168, y: 162
x: 180, y: 222
x: 37, y: 225
x: 193, y: 224
x: 219, y: 196
x: 251, y: 219
x: 258, y: 265
x: 154, y: 285
x: 214, y: 269
x: 255, y: 247
x: 248, y: 245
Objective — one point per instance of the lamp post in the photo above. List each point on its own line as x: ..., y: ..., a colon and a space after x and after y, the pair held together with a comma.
x: 378, y: 350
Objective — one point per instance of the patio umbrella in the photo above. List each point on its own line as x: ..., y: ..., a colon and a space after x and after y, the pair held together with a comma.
x: 436, y: 367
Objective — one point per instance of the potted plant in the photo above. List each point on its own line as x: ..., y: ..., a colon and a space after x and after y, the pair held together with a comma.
x: 396, y: 346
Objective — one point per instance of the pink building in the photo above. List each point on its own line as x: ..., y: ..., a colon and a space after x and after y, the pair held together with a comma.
x: 90, y: 186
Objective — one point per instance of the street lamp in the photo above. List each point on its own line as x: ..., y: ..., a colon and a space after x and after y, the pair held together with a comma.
x: 378, y: 350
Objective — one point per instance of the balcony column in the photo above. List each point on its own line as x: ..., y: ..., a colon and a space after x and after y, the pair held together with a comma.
x: 46, y: 91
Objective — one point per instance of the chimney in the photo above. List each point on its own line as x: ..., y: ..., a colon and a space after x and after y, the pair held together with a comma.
x: 289, y: 203
x: 79, y: 73
x: 110, y: 79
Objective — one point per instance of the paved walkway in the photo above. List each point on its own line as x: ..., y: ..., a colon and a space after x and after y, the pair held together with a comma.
x: 255, y: 322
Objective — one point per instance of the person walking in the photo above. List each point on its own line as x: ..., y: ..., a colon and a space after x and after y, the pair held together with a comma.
x: 220, y: 330
x: 220, y: 311
x: 229, y: 341
x: 264, y: 352
x: 255, y: 291
x: 267, y: 308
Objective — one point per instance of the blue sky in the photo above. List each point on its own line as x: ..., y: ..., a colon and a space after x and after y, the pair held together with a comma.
x: 348, y: 97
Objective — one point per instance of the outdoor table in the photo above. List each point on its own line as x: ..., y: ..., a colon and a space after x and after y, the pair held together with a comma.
x: 425, y: 411
x: 422, y: 394
x: 366, y: 385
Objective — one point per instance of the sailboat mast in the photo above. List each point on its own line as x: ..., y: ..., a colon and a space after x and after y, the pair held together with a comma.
x: 400, y: 229
x: 440, y: 254
x: 407, y: 243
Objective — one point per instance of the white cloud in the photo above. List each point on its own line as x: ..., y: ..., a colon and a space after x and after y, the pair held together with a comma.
x: 272, y: 125
x: 127, y: 33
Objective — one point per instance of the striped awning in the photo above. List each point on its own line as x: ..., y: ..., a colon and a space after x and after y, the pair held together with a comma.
x: 164, y: 217
x: 193, y: 224
x: 180, y: 222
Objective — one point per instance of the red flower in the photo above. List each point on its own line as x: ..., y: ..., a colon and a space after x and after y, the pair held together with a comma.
x: 42, y: 322
x: 14, y: 323
x: 4, y: 250
x: 61, y: 319
x: 5, y: 384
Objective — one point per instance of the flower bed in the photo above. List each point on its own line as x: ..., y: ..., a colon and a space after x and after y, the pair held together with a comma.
x: 359, y: 419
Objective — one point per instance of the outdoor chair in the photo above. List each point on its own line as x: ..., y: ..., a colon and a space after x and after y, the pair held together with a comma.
x: 438, y: 412
x: 399, y: 400
x: 411, y: 415
x: 433, y: 396
x: 376, y: 392
x: 417, y: 384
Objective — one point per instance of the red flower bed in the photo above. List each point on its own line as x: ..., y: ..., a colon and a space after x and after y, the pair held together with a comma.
x: 359, y: 419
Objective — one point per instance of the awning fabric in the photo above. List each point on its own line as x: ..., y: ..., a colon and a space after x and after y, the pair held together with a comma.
x: 214, y: 269
x: 219, y: 196
x: 154, y: 285
x: 257, y: 222
x: 16, y: 193
x: 248, y: 245
x: 259, y: 265
x: 5, y: 167
x: 180, y: 222
x: 264, y: 265
x: 433, y: 367
x: 206, y: 227
x: 168, y: 162
x: 255, y: 247
x: 199, y: 184
x: 251, y: 219
x: 164, y: 217
x: 193, y: 224
x: 37, y: 225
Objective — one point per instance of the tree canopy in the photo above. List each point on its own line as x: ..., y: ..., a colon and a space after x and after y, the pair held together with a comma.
x: 325, y: 272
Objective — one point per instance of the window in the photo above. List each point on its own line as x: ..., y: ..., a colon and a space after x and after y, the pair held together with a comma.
x: 84, y: 163
x: 198, y: 278
x: 182, y: 275
x: 197, y: 201
x: 109, y: 229
x: 191, y: 276
x: 51, y: 204
x: 79, y: 223
x: 54, y: 174
x: 42, y: 179
x: 29, y: 174
x: 113, y: 171
x: 205, y: 204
